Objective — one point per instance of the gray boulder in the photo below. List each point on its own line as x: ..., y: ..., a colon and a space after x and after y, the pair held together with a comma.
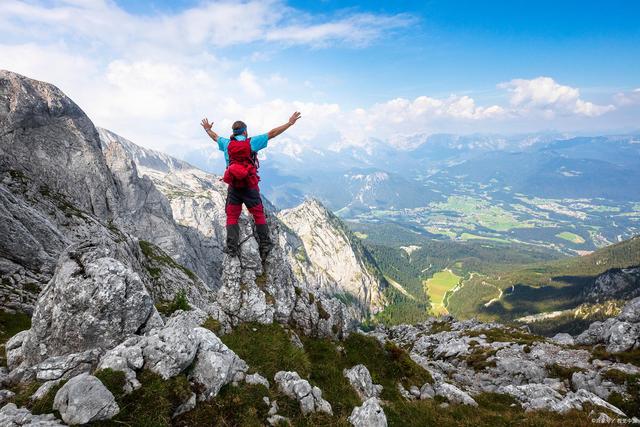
x: 563, y: 338
x: 631, y: 311
x: 533, y: 397
x: 215, y: 364
x: 427, y: 392
x: 12, y: 416
x: 370, y: 414
x: 576, y: 401
x: 93, y: 301
x: 454, y: 395
x: 256, y: 379
x: 310, y: 398
x: 360, y: 379
x: 84, y: 399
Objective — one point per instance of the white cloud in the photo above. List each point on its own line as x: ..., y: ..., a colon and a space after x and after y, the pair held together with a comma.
x: 628, y: 98
x: 249, y: 84
x: 545, y: 95
x: 219, y: 23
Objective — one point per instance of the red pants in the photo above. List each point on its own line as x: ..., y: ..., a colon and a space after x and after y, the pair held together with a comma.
x: 251, y: 199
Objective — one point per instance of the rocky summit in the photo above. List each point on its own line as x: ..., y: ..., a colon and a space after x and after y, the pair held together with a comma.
x: 120, y: 307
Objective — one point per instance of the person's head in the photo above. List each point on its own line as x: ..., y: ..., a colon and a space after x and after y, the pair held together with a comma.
x: 239, y: 128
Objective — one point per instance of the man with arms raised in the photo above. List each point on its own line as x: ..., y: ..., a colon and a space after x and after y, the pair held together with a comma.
x: 240, y: 153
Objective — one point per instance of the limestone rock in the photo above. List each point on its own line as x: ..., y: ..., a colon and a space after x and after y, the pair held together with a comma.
x: 370, y: 414
x: 453, y: 394
x: 360, y: 379
x: 256, y: 379
x: 47, y: 136
x: 579, y: 398
x: 331, y: 257
x: 93, y: 301
x: 427, y: 392
x: 310, y: 398
x: 618, y: 334
x: 12, y: 416
x: 533, y: 396
x: 563, y: 338
x: 215, y: 364
x: 84, y: 399
x: 631, y: 311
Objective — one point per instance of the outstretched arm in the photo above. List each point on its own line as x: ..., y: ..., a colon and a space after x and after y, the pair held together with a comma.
x: 277, y: 131
x: 207, y: 127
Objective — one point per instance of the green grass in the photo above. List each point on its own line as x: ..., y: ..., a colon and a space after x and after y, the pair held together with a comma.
x: 234, y: 406
x: 437, y: 287
x: 562, y: 372
x: 179, y: 302
x: 571, y: 237
x: 152, y: 405
x: 267, y: 349
x: 478, y: 358
x: 158, y: 258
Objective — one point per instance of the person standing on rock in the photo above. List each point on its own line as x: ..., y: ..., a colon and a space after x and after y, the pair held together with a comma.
x: 240, y: 153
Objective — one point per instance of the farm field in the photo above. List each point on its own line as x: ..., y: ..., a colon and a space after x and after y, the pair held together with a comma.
x: 438, y: 286
x: 571, y: 237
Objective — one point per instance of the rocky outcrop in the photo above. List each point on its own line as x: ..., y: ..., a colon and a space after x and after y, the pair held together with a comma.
x: 360, y: 379
x: 215, y: 365
x: 12, y: 416
x: 614, y: 284
x: 170, y: 350
x: 309, y: 397
x: 619, y: 334
x: 84, y: 399
x: 329, y: 256
x: 470, y: 357
x: 370, y: 414
x: 93, y: 301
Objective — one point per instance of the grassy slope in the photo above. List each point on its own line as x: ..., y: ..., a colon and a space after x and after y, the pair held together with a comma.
x: 540, y: 287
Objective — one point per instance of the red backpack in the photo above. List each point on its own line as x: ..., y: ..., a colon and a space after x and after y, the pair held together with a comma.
x: 242, y: 171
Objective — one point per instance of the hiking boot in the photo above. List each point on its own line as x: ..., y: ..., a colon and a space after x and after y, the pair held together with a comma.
x: 233, y: 238
x: 264, y: 241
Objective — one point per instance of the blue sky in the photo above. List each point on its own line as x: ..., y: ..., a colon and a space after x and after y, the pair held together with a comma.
x: 357, y: 70
x: 456, y: 46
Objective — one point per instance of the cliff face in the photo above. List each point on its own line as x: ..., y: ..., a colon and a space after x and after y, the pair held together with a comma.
x: 329, y: 256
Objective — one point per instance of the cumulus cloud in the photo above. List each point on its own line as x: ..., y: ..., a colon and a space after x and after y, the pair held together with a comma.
x: 545, y: 95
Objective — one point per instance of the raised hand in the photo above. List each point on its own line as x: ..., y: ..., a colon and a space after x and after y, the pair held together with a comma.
x: 294, y: 117
x: 205, y: 124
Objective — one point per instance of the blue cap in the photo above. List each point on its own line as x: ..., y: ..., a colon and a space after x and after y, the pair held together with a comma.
x: 239, y: 131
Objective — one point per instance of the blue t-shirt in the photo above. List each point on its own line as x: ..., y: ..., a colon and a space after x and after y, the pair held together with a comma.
x: 258, y: 142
